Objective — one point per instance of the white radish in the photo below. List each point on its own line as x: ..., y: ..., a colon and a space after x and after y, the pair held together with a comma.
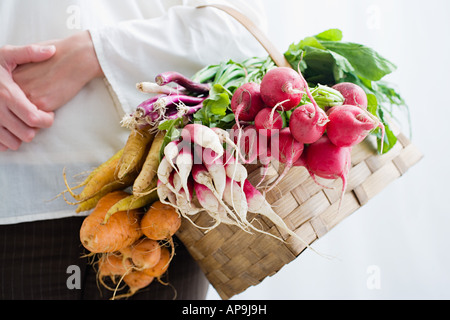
x: 171, y: 152
x: 203, y: 136
x: 165, y: 193
x: 202, y: 176
x: 214, y: 165
x: 235, y: 197
x: 184, y: 163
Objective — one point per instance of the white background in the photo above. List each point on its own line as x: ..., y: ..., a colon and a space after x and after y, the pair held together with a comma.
x: 403, y: 233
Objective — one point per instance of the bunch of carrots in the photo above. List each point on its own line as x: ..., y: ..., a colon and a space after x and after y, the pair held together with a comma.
x: 129, y: 231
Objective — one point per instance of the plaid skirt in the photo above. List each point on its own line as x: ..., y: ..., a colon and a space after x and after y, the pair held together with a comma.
x: 44, y: 260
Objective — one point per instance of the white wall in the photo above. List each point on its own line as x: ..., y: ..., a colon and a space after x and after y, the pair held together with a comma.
x: 403, y: 233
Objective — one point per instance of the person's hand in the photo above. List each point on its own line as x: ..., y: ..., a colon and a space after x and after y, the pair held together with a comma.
x: 19, y: 118
x: 52, y: 83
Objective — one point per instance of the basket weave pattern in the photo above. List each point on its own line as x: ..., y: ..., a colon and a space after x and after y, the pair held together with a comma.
x: 234, y: 260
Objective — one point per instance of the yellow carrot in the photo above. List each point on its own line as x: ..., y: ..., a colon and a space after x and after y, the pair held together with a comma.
x: 133, y: 202
x: 102, y: 178
x: 135, y: 151
x: 91, y: 202
x: 93, y: 183
x: 150, y: 167
x: 105, y: 164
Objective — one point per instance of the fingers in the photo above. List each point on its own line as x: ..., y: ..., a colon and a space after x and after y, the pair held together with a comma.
x: 20, y: 120
x: 30, y: 115
x: 17, y: 55
x: 9, y: 140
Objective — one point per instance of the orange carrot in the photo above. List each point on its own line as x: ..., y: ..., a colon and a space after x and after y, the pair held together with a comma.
x: 121, y: 230
x: 146, y: 253
x: 112, y: 265
x: 136, y: 280
x: 161, y: 267
x: 160, y: 222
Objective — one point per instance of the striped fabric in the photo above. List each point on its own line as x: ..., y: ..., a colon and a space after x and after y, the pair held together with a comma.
x: 42, y: 260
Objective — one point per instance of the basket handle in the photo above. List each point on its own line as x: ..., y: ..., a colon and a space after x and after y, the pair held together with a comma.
x: 277, y: 56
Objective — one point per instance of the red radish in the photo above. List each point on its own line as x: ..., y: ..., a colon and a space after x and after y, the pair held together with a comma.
x: 328, y: 161
x: 303, y: 126
x: 282, y: 88
x: 353, y: 94
x: 310, y: 126
x: 268, y: 121
x: 247, y: 141
x: 290, y: 149
x: 288, y: 153
x: 301, y: 162
x: 246, y: 102
x: 349, y: 125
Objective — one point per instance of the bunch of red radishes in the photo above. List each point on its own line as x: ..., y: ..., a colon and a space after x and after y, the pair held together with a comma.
x: 314, y: 138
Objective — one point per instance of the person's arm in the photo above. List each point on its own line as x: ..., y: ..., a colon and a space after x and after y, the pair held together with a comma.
x: 52, y: 83
x: 19, y: 118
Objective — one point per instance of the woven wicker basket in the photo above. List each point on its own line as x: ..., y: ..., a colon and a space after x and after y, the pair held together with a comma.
x: 234, y: 260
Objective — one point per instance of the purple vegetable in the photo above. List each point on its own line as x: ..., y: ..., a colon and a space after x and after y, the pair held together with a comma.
x: 162, y: 103
x: 183, y: 111
x: 172, y: 76
x: 163, y: 107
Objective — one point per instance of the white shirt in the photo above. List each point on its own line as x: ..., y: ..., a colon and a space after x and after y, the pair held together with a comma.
x: 134, y: 41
